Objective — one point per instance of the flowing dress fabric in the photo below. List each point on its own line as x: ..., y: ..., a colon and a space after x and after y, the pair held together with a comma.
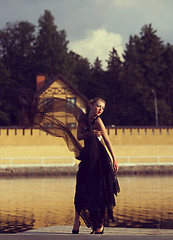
x: 42, y: 114
x: 95, y: 184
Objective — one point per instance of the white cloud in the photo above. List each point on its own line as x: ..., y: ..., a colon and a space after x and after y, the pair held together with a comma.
x: 98, y: 43
x: 119, y: 3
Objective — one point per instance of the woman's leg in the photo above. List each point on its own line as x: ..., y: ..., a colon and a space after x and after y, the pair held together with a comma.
x: 101, y: 218
x: 76, y: 221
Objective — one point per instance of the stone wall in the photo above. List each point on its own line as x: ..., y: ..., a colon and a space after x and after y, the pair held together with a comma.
x: 32, y: 146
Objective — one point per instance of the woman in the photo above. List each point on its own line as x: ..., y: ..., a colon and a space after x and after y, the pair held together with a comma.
x: 95, y: 186
x: 96, y: 179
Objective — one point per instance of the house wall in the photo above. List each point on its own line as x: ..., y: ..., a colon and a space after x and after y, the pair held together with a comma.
x: 61, y: 90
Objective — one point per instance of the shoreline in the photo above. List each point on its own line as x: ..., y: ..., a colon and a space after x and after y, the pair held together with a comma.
x: 72, y: 170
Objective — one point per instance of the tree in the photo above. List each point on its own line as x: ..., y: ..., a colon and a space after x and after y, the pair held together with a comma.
x: 114, y: 88
x: 143, y: 70
x: 168, y: 75
x: 81, y: 73
x: 125, y: 85
x: 51, y: 47
x: 5, y: 84
x: 16, y: 49
x: 97, y: 81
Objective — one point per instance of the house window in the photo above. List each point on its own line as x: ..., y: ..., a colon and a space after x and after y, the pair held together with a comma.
x: 71, y: 102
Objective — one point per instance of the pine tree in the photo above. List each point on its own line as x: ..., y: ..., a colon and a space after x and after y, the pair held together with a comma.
x: 81, y: 73
x: 51, y: 47
x: 5, y: 84
x: 16, y: 51
x: 143, y: 70
x: 167, y: 92
x: 98, y: 86
x: 114, y: 88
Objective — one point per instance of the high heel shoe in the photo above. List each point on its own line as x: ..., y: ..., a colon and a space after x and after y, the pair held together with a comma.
x: 76, y: 231
x: 99, y: 232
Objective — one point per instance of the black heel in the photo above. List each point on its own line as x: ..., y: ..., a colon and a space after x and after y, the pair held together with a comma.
x: 100, y: 232
x: 76, y: 231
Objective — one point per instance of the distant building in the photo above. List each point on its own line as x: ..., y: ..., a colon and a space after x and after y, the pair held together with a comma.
x: 60, y: 87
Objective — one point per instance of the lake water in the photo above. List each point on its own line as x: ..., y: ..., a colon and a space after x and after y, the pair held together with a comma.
x: 29, y: 203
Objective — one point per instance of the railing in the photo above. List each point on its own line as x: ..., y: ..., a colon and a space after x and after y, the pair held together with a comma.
x: 144, y: 160
x: 37, y: 162
x: 70, y: 161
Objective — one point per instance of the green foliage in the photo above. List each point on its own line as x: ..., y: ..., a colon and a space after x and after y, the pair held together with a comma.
x: 81, y: 70
x: 126, y: 85
x: 114, y: 89
x: 50, y: 47
x: 5, y: 84
x: 97, y: 80
x: 16, y: 48
x: 144, y: 69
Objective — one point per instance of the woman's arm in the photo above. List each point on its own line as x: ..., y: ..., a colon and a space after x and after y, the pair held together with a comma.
x: 81, y: 133
x: 107, y: 142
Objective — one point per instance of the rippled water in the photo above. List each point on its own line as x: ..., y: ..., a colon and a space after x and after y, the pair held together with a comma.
x: 27, y: 203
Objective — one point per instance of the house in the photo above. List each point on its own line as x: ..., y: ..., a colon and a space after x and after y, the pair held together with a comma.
x: 59, y: 87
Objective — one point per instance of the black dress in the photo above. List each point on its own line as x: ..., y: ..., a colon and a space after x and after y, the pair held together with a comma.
x: 96, y: 184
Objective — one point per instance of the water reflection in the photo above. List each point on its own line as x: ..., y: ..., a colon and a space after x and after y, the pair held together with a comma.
x: 145, y: 202
x: 27, y: 203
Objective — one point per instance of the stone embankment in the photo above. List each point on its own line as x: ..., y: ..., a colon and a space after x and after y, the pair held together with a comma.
x: 70, y: 171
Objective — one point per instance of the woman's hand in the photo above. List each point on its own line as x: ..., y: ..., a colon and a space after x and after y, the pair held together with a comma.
x: 115, y: 166
x: 98, y: 133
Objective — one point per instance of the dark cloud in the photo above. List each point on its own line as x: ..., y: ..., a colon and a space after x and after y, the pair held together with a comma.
x: 78, y: 17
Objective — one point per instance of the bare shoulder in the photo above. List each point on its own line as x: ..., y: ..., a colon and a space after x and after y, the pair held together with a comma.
x: 99, y: 120
x: 99, y: 123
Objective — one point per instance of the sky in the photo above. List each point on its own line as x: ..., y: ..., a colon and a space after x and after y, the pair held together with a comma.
x: 94, y: 27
